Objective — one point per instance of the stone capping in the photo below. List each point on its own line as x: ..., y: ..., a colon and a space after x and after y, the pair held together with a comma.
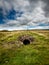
x: 26, y: 37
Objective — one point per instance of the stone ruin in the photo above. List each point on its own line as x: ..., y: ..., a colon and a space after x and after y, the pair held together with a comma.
x: 26, y: 39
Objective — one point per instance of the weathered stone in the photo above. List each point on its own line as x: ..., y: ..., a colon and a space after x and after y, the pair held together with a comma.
x: 26, y: 39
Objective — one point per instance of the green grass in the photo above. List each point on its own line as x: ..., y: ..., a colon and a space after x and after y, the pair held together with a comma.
x: 36, y: 53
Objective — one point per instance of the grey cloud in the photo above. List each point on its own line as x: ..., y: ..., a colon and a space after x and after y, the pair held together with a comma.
x: 46, y: 7
x: 33, y: 4
x: 31, y: 1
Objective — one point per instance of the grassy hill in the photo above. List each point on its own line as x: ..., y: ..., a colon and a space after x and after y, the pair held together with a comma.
x: 14, y: 52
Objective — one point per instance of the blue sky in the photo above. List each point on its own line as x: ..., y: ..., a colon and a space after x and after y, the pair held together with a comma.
x: 24, y: 14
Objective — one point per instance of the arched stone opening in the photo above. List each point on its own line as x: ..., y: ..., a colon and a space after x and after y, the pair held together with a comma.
x: 26, y: 39
x: 26, y: 42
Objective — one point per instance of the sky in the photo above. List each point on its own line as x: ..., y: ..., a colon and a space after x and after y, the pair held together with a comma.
x: 24, y: 14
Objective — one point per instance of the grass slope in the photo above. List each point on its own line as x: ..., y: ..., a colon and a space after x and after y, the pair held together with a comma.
x: 12, y: 52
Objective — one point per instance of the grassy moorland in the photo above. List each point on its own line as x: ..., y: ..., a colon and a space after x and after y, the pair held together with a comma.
x: 12, y: 52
